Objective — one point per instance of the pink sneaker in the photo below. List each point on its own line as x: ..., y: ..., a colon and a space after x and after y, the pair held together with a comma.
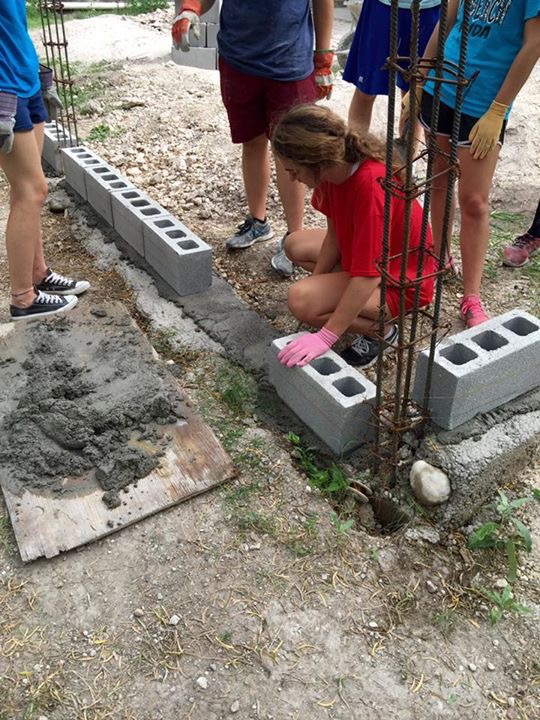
x: 472, y: 311
x: 521, y: 250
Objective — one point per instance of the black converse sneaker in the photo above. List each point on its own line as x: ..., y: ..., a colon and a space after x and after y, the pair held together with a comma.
x: 42, y: 306
x: 364, y: 351
x: 60, y: 285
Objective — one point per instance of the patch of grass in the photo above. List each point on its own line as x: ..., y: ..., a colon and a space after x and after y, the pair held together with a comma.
x: 503, y: 603
x: 6, y: 535
x: 330, y: 481
x: 237, y: 390
x: 252, y: 520
x: 88, y: 83
x: 445, y: 621
x: 99, y: 133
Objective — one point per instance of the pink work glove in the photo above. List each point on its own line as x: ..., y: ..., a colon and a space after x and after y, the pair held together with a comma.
x: 307, y: 347
x: 187, y: 19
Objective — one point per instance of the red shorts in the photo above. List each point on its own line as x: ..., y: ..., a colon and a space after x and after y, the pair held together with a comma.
x: 255, y: 104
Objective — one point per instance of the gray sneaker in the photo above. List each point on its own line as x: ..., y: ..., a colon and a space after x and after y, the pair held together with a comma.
x: 280, y: 262
x: 248, y: 233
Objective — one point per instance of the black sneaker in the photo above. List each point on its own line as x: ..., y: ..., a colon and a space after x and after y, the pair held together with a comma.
x: 57, y: 284
x: 364, y: 351
x: 42, y: 306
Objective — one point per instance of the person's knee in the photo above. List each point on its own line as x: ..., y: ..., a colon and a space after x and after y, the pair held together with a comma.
x: 299, y: 302
x: 29, y: 194
x: 474, y: 205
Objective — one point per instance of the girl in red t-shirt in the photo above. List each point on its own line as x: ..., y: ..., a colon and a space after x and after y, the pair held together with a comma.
x: 343, y: 292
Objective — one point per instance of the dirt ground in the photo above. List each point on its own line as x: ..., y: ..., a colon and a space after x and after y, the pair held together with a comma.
x: 258, y: 600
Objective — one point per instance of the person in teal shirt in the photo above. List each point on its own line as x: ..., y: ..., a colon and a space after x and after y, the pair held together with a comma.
x: 503, y: 48
x: 25, y: 87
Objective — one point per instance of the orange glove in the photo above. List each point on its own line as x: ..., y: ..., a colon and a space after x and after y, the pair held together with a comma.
x: 186, y: 20
x: 485, y: 133
x: 324, y: 77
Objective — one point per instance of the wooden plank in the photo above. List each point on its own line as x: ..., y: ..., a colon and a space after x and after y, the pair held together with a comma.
x: 46, y: 524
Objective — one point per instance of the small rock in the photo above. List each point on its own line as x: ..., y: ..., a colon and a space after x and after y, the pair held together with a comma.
x: 174, y: 620
x: 202, y: 682
x: 490, y: 666
x: 372, y: 624
x: 511, y: 701
x: 98, y: 312
x: 430, y: 485
x: 159, y: 596
x: 423, y: 532
x: 472, y: 667
x: 138, y: 612
x: 235, y: 707
x: 501, y: 583
x: 432, y: 588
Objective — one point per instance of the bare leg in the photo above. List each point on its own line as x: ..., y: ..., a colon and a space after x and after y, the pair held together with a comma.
x: 292, y: 196
x: 312, y: 301
x: 360, y: 110
x: 438, y: 198
x: 23, y: 234
x: 473, y: 193
x: 256, y: 172
x: 39, y: 269
x: 303, y: 247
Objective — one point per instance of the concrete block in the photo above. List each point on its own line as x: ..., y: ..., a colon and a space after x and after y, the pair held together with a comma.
x: 182, y: 259
x: 129, y: 209
x: 481, y: 368
x: 333, y: 399
x: 204, y: 58
x: 102, y: 180
x: 212, y: 30
x: 75, y: 160
x: 55, y: 137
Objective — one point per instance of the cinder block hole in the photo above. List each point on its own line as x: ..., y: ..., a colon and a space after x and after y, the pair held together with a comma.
x: 85, y: 155
x: 131, y: 194
x: 458, y: 354
x: 148, y: 212
x: 325, y: 366
x: 163, y: 224
x: 187, y: 244
x: 140, y: 203
x: 111, y: 177
x: 349, y: 387
x: 92, y: 161
x: 175, y: 234
x: 489, y: 340
x: 100, y: 170
x: 520, y: 326
x: 118, y: 185
x: 78, y: 151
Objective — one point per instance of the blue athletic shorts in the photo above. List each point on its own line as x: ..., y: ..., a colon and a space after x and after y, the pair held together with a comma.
x: 371, y: 45
x: 30, y: 111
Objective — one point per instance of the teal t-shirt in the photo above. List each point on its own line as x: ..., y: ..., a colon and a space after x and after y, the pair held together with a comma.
x: 19, y: 65
x: 495, y: 38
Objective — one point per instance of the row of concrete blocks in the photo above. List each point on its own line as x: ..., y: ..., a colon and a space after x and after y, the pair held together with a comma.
x: 203, y: 53
x: 178, y: 256
x: 55, y: 137
x: 473, y: 372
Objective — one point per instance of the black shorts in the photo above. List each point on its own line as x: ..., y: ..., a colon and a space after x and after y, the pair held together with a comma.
x: 446, y: 120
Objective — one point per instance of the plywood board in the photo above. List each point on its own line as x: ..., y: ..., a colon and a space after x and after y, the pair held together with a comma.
x: 47, y: 524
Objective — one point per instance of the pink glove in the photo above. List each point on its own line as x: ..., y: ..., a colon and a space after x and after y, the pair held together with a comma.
x: 307, y: 347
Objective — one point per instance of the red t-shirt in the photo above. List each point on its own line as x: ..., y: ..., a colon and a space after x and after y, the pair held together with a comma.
x: 356, y: 208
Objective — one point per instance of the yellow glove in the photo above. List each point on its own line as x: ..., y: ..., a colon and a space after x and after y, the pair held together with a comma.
x: 485, y: 133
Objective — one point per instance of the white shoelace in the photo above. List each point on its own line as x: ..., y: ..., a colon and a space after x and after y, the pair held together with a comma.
x: 57, y: 279
x: 45, y: 299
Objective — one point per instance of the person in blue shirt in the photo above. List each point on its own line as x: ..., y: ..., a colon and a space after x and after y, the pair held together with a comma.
x: 371, y: 47
x: 503, y: 48
x: 272, y: 55
x: 36, y: 290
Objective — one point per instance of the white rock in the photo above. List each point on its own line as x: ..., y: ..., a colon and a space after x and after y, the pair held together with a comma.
x: 430, y: 485
x: 501, y: 583
x: 202, y: 682
x: 472, y: 667
x: 235, y: 707
x: 138, y: 612
x: 490, y: 666
x: 174, y: 620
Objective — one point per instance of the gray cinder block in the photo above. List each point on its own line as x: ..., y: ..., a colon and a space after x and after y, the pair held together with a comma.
x: 182, y: 259
x: 55, y: 137
x: 481, y: 368
x: 129, y: 209
x: 333, y: 399
x: 212, y: 30
x: 204, y: 58
x: 75, y: 160
x: 102, y: 180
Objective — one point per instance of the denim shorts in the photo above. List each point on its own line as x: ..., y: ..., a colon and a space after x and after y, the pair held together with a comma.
x: 30, y: 111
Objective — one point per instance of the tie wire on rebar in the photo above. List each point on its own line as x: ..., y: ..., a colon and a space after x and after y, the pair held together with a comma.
x: 56, y: 53
x: 396, y: 413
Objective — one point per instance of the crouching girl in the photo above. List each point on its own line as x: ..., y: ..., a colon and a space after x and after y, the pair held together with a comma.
x: 343, y: 292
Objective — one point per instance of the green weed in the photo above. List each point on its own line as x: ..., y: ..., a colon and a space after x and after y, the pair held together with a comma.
x: 330, y: 481
x: 99, y: 133
x: 503, y: 602
x: 237, y: 390
x: 508, y: 533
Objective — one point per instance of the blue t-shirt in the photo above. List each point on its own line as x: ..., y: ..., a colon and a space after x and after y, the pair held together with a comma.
x: 268, y: 38
x: 19, y: 64
x: 495, y: 38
